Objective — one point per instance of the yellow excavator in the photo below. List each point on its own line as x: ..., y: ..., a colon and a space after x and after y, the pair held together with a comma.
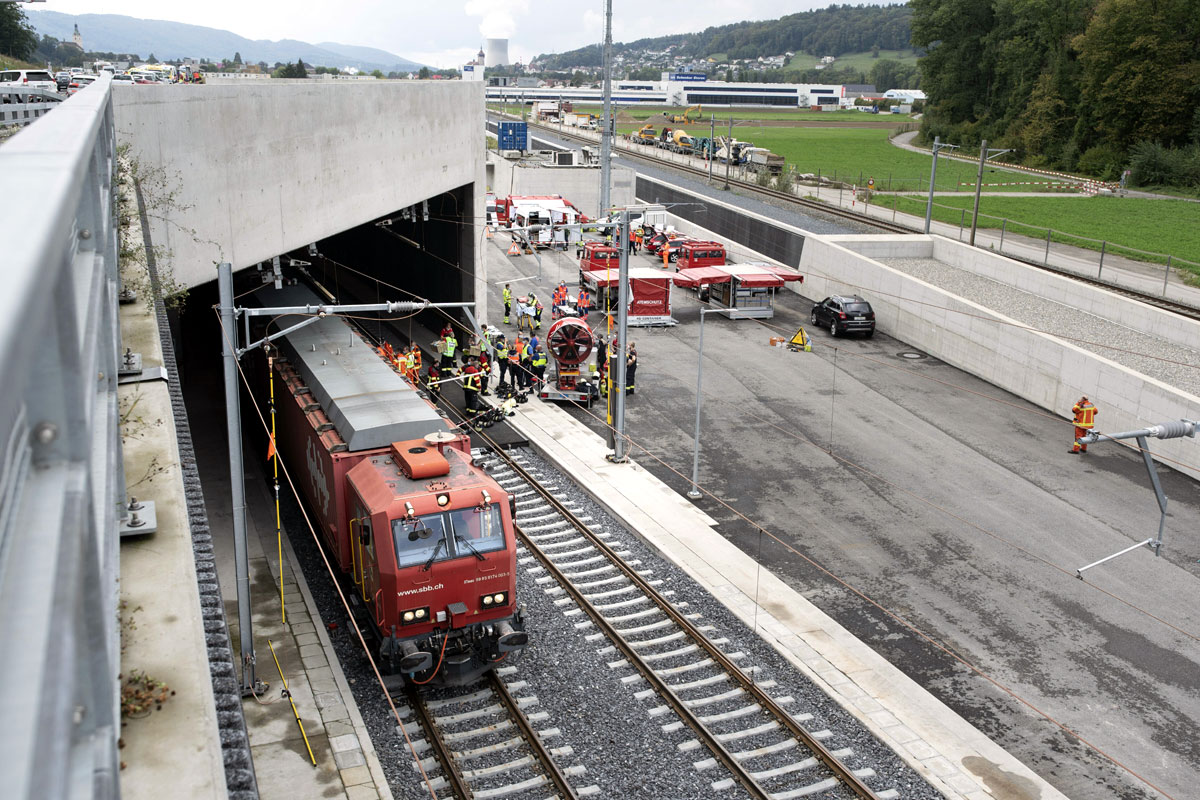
x: 686, y: 117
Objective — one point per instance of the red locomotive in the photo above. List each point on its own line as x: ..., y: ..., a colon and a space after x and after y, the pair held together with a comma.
x: 424, y: 535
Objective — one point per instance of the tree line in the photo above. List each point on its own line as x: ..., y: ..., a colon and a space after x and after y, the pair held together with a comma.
x: 1096, y: 86
x: 832, y: 31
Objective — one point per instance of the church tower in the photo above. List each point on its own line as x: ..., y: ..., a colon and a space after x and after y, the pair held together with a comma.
x: 77, y: 37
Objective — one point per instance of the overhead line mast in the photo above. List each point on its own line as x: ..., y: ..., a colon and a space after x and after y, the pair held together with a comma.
x: 607, y: 122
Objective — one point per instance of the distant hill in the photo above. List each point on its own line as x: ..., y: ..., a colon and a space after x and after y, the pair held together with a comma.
x: 833, y: 31
x: 113, y: 33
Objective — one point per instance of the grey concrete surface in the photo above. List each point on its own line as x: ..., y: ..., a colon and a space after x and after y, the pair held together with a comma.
x: 260, y: 169
x: 954, y: 506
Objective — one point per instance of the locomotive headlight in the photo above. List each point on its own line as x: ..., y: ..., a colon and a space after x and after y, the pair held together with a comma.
x: 498, y: 598
x: 414, y: 615
x: 443, y: 500
x: 487, y: 599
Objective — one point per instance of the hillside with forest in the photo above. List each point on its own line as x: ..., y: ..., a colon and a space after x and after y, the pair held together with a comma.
x: 831, y: 31
x: 1095, y: 86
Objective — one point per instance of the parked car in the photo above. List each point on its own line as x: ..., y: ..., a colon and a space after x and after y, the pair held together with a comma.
x: 844, y: 314
x: 29, y: 79
x: 79, y: 82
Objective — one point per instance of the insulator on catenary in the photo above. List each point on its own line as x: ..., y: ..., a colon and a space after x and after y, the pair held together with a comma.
x: 1175, y: 429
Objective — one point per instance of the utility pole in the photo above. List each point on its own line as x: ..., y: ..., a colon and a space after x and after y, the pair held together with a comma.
x: 712, y: 131
x: 606, y: 133
x: 937, y: 148
x: 237, y: 478
x: 619, y: 456
x: 728, y: 152
x: 984, y: 155
x: 694, y: 492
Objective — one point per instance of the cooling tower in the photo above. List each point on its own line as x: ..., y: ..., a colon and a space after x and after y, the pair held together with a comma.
x: 497, y: 52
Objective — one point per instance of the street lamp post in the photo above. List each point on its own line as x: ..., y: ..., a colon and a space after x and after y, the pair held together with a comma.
x: 694, y: 493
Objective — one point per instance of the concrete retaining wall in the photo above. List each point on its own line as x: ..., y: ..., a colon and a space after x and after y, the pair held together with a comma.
x: 265, y: 167
x: 1038, y: 367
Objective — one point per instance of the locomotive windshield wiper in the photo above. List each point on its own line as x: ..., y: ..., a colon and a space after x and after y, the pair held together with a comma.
x: 471, y: 547
x: 434, y: 554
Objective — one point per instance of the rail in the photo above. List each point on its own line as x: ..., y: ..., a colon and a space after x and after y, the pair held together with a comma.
x: 24, y: 106
x: 61, y: 474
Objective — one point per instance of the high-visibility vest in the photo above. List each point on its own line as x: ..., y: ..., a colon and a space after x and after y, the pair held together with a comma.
x: 472, y: 380
x: 515, y: 354
x: 451, y: 346
x: 507, y: 296
x: 585, y: 300
x: 416, y: 357
x: 539, y: 360
x: 1085, y: 415
x: 502, y: 352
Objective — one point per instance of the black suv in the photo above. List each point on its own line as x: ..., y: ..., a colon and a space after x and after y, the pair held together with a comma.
x: 844, y: 314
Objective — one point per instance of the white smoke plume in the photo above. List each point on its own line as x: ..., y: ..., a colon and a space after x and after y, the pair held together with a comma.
x: 497, y: 21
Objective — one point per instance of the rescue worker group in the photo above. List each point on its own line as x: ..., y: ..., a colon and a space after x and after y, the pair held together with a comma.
x: 520, y: 362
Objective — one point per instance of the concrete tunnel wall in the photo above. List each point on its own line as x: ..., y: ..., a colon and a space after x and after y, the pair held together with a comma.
x: 265, y: 168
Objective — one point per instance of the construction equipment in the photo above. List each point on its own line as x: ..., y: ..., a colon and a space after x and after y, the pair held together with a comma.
x: 646, y: 134
x: 686, y: 117
x: 760, y: 159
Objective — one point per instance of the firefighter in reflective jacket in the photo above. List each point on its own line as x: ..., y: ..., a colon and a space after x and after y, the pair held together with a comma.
x: 502, y: 358
x: 537, y: 310
x: 471, y: 384
x: 507, y: 302
x: 1085, y: 420
x: 485, y: 372
x: 538, y: 362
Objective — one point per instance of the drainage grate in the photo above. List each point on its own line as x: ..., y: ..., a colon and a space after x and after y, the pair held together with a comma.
x: 912, y: 355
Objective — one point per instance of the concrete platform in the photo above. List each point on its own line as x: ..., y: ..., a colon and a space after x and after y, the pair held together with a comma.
x: 904, y: 495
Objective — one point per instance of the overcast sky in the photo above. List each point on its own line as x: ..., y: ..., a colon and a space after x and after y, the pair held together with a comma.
x: 450, y: 32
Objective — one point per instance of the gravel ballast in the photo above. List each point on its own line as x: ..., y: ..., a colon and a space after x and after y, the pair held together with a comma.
x: 1173, y: 365
x: 625, y: 751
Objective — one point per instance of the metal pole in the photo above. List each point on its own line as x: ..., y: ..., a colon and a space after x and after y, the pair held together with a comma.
x: 1003, y: 228
x: 606, y: 134
x: 1046, y: 258
x: 237, y: 477
x: 978, y: 187
x: 694, y: 492
x: 619, y: 454
x: 729, y: 151
x: 712, y: 131
x: 962, y: 222
x: 937, y: 140
x: 1103, y: 247
x: 1166, y: 275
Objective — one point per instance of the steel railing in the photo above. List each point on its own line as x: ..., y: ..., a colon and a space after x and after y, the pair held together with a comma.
x: 22, y: 106
x: 61, y: 474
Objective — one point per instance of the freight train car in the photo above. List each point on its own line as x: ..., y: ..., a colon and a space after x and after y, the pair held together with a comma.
x: 422, y: 535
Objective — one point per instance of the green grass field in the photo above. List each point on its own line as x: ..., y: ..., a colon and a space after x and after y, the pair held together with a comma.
x: 863, y: 61
x: 1170, y: 227
x: 855, y: 154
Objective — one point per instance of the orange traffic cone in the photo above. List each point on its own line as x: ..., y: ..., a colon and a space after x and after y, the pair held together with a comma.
x: 513, y: 250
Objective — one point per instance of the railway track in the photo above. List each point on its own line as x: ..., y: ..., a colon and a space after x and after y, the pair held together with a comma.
x: 482, y: 743
x: 722, y: 712
x: 893, y: 227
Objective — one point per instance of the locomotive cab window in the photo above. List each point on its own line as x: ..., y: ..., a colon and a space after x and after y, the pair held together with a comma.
x: 466, y: 532
x: 477, y: 530
x: 420, y: 541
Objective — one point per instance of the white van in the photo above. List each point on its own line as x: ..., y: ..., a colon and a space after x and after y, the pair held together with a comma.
x: 28, y: 79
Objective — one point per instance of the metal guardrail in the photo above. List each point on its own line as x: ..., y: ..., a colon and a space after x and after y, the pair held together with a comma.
x: 61, y: 473
x: 23, y: 106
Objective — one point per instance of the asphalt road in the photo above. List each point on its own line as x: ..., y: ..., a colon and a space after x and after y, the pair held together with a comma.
x: 955, y: 508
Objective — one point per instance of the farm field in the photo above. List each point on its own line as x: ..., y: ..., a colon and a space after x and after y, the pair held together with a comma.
x: 1170, y: 227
